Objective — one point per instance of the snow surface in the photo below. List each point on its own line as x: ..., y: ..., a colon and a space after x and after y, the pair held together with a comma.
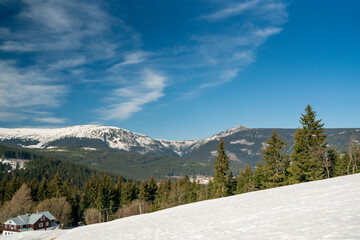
x: 326, y: 209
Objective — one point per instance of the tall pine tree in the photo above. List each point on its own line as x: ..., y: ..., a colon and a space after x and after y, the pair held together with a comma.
x: 309, y: 149
x: 276, y: 161
x: 221, y: 172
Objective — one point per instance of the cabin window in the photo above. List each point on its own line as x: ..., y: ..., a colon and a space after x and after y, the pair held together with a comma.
x: 42, y: 218
x: 40, y: 224
x: 12, y: 227
x: 47, y: 224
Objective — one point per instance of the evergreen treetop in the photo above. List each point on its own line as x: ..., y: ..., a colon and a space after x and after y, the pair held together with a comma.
x: 309, y: 149
x: 276, y: 161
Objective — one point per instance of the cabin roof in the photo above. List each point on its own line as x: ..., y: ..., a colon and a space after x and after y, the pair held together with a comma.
x: 29, y: 219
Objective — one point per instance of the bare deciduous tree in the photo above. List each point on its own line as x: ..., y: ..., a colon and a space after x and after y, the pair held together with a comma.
x: 133, y: 209
x: 58, y: 207
x: 92, y: 215
x: 354, y: 154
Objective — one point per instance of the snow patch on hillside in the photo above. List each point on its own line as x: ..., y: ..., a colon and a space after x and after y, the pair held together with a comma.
x: 248, y: 151
x: 242, y: 141
x: 326, y: 209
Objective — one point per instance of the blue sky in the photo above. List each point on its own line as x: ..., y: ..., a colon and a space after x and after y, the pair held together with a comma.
x: 179, y: 69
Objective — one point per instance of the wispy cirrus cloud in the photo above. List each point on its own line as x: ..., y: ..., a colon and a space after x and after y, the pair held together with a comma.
x: 131, y: 58
x: 234, y: 9
x: 67, y: 63
x: 128, y: 100
x: 21, y: 89
x: 229, y: 51
x: 273, y: 11
x: 56, y: 44
x: 51, y: 120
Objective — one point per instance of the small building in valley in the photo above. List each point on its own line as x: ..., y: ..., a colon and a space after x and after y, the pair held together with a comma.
x: 30, y: 222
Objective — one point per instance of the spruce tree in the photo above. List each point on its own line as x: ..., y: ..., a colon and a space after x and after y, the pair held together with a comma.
x: 259, y: 177
x: 221, y: 172
x: 33, y: 189
x: 276, y: 161
x: 231, y: 187
x: 309, y: 149
x: 341, y: 164
x: 152, y: 188
x: 331, y: 159
x: 118, y: 192
x: 56, y: 186
x: 144, y: 192
x: 43, y: 192
x: 245, y: 181
x: 105, y: 195
x: 90, y: 194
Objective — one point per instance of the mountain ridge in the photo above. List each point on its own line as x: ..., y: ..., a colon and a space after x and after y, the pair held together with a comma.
x: 114, y: 137
x: 243, y: 144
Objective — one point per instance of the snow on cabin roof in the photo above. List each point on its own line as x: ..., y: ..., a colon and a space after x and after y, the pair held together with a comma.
x: 29, y: 219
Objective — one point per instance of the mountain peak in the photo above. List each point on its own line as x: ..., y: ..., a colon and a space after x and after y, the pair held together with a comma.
x: 229, y: 131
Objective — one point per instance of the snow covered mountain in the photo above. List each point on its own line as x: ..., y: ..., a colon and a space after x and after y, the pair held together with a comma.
x: 326, y: 209
x: 83, y: 135
x: 242, y: 144
x: 102, y: 136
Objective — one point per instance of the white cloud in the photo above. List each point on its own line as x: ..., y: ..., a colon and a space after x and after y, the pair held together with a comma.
x: 130, y: 99
x: 11, y: 46
x: 21, y: 89
x: 273, y: 11
x: 130, y: 59
x: 8, y: 116
x: 51, y: 120
x: 66, y: 26
x: 68, y: 63
x: 267, y: 32
x: 233, y: 10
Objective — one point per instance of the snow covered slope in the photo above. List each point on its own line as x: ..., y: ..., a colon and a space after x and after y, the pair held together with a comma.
x: 327, y: 209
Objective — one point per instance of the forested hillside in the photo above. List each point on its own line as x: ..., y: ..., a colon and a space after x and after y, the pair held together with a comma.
x: 44, y: 167
x: 133, y: 165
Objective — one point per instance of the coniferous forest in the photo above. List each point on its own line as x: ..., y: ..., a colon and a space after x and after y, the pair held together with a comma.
x: 77, y: 194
